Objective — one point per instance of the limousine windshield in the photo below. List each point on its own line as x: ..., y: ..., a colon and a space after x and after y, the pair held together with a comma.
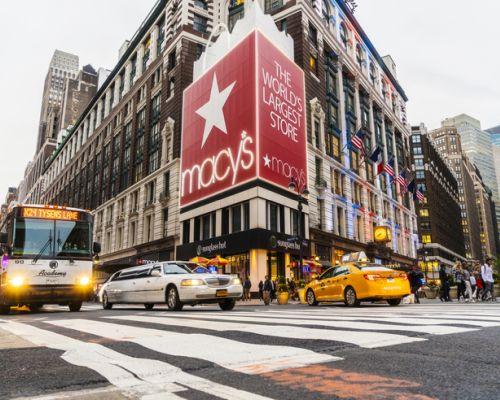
x: 170, y: 269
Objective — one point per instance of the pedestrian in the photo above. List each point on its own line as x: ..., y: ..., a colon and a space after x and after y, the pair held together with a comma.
x: 460, y: 281
x: 293, y: 289
x: 267, y: 289
x: 473, y: 285
x: 261, y: 286
x: 468, y: 287
x: 247, y: 285
x: 445, y: 284
x: 415, y: 277
x: 488, y: 281
x: 479, y: 282
x: 273, y: 291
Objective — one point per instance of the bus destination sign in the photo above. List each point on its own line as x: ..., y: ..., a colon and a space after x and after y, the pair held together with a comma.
x: 50, y: 213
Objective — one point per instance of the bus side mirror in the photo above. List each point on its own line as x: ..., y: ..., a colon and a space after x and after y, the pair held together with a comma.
x: 96, y: 247
x: 3, y: 238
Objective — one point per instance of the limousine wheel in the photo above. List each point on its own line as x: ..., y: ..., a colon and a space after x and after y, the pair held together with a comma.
x: 105, y: 302
x: 173, y: 301
x: 148, y: 306
x: 227, y: 305
x: 4, y: 309
x: 75, y: 306
x: 34, y: 307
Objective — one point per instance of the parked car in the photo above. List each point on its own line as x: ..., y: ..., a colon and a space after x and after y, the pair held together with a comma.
x: 170, y: 282
x: 355, y: 283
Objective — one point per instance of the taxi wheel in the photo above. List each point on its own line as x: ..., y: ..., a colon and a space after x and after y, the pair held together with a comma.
x: 105, y: 302
x: 394, y: 302
x: 4, y: 309
x: 34, y: 307
x: 227, y: 305
x: 350, y: 298
x: 311, y: 298
x: 148, y: 306
x: 173, y: 301
x: 75, y: 306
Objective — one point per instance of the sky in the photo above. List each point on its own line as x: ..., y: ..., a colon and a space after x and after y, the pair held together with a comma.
x: 446, y: 52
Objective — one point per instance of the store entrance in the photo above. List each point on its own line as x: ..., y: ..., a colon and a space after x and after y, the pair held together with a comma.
x: 275, y: 265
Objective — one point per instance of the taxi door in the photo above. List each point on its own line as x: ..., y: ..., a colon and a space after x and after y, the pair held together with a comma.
x: 339, y: 281
x: 324, y: 292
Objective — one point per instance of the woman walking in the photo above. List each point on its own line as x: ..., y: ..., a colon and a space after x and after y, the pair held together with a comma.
x: 460, y: 281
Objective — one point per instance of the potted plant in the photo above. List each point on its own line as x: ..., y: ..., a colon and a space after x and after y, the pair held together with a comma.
x: 283, y: 293
x: 302, y: 291
x: 431, y: 290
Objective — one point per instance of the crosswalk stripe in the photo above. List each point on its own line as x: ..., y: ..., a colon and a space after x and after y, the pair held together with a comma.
x: 363, y: 339
x: 149, y: 379
x: 414, y: 319
x: 238, y: 356
x: 297, y: 332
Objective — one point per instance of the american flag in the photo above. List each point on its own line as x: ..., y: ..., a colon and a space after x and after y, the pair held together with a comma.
x: 401, y: 179
x: 389, y: 167
x: 420, y: 196
x: 357, y: 140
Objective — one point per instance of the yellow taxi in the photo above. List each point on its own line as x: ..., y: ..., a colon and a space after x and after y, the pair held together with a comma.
x: 353, y: 284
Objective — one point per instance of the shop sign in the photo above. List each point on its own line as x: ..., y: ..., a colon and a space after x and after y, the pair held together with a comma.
x: 242, y: 242
x: 243, y: 120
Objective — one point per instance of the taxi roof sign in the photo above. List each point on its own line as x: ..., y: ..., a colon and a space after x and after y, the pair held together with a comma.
x: 358, y: 257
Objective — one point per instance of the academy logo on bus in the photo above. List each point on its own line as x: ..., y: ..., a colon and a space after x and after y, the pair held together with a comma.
x: 243, y: 120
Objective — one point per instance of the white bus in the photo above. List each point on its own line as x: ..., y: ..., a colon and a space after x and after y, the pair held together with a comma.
x: 47, y: 257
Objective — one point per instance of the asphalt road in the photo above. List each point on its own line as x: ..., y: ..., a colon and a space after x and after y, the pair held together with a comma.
x: 419, y: 352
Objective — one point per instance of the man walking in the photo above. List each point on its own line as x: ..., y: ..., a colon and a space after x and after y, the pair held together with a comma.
x: 487, y: 276
x: 267, y: 288
x: 445, y: 284
x: 247, y: 285
x: 415, y: 278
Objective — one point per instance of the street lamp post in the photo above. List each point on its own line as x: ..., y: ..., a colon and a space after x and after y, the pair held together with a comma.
x: 302, y: 193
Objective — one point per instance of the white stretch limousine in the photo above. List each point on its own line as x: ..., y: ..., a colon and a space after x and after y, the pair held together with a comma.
x: 171, y: 282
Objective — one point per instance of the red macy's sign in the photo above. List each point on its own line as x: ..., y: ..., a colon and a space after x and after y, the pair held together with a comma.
x: 243, y: 120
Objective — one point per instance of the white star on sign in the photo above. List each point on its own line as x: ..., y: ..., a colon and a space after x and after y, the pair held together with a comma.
x: 212, y: 111
x: 267, y: 161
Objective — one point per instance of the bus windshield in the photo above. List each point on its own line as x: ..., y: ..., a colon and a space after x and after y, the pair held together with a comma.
x: 49, y: 238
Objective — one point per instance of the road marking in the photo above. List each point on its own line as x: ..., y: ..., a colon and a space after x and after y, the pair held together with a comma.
x: 238, y: 356
x: 414, y: 319
x: 368, y: 340
x: 149, y: 379
x: 429, y: 329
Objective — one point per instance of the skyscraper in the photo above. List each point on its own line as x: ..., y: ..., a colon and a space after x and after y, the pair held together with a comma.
x: 477, y: 145
x: 62, y: 65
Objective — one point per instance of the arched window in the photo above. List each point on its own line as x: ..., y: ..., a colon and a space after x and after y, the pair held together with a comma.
x: 360, y: 55
x: 325, y: 11
x: 373, y: 73
x: 343, y: 34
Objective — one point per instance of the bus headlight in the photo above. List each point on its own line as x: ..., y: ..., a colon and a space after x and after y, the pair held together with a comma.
x: 192, y: 282
x: 84, y: 281
x: 17, y: 281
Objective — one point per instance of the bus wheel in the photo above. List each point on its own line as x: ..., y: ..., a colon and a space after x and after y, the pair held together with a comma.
x: 75, y: 306
x: 4, y: 309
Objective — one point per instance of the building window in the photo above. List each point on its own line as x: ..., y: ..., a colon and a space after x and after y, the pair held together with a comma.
x: 424, y: 212
x: 185, y: 231
x: 343, y: 34
x: 313, y: 35
x: 236, y: 219
x: 270, y: 5
x: 172, y: 60
x: 313, y: 64
x: 197, y: 229
x: 417, y: 150
x: 206, y: 227
x: 199, y: 23
x: 236, y: 12
x: 360, y: 56
x: 419, y: 162
x: 150, y: 193
x: 420, y: 174
x: 201, y: 4
x: 199, y: 50
x: 282, y: 25
x: 171, y: 87
x: 416, y: 139
x: 246, y: 216
x: 165, y: 222
x: 132, y: 233
x: 426, y: 239
x: 225, y: 221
